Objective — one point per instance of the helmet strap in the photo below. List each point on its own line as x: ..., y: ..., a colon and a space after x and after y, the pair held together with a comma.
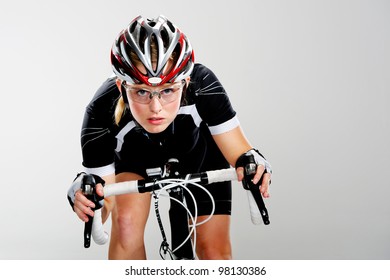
x: 124, y: 95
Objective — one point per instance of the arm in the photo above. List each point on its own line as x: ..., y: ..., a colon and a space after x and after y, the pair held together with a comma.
x: 233, y: 144
x: 98, y: 145
x: 215, y: 109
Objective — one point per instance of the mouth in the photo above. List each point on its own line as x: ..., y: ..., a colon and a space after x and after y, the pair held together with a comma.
x: 155, y: 120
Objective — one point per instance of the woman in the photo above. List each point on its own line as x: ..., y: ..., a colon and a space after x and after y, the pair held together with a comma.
x: 161, y: 105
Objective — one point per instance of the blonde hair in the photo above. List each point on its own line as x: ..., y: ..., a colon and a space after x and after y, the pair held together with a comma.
x: 120, y: 110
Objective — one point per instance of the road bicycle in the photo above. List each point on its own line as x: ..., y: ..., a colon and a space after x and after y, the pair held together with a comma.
x: 168, y: 180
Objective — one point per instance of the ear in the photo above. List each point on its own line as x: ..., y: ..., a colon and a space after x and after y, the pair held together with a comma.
x: 119, y: 84
x: 188, y: 79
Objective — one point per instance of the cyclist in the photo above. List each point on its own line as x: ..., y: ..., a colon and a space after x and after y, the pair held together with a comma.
x: 161, y: 105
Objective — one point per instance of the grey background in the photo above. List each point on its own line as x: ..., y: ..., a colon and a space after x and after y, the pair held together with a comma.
x: 310, y: 83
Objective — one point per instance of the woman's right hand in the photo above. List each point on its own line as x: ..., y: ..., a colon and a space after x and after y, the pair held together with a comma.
x: 83, y: 207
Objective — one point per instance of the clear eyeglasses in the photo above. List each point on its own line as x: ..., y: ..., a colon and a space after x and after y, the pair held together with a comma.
x: 166, y: 94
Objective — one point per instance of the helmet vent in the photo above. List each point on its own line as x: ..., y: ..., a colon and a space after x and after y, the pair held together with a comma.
x: 132, y: 27
x: 170, y: 25
x: 165, y: 38
x: 151, y: 22
x: 141, y: 39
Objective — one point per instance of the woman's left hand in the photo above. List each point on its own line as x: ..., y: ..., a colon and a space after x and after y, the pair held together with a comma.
x: 260, y: 174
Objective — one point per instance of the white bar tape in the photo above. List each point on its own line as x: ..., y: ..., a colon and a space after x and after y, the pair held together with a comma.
x: 254, y: 210
x: 222, y: 175
x: 98, y: 234
x: 120, y: 188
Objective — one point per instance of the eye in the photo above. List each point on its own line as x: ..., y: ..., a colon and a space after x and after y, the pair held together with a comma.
x: 167, y: 91
x: 142, y: 93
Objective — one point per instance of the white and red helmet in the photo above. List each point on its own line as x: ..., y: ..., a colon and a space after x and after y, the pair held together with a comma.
x: 137, y: 37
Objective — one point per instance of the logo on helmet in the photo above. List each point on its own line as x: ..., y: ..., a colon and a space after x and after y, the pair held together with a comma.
x: 154, y: 80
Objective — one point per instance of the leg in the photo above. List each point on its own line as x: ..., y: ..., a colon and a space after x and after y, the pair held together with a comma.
x: 213, y: 238
x: 129, y: 218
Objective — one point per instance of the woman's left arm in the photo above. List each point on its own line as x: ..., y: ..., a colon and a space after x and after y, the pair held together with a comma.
x: 233, y: 144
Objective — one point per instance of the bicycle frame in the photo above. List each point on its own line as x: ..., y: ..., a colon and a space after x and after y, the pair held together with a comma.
x: 169, y: 179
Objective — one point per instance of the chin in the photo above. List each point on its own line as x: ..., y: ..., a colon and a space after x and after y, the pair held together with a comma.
x: 155, y: 129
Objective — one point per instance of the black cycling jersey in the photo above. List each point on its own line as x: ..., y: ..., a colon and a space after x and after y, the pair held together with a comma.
x: 127, y: 147
x: 103, y: 142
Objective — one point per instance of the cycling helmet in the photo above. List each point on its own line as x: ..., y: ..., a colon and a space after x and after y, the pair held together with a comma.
x: 137, y: 39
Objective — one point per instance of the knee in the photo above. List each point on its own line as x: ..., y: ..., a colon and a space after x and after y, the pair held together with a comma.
x: 127, y: 229
x: 212, y: 252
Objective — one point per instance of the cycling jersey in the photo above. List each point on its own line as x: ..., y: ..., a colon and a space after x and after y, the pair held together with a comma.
x: 127, y: 147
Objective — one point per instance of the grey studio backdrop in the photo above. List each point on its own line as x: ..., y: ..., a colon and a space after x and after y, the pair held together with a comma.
x: 308, y: 79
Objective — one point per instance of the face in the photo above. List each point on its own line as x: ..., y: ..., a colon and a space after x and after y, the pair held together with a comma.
x: 154, y: 108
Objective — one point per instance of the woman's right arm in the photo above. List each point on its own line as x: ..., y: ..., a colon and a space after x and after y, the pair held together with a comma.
x: 98, y: 144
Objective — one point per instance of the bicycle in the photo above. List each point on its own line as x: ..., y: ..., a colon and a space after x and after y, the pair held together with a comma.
x: 168, y: 179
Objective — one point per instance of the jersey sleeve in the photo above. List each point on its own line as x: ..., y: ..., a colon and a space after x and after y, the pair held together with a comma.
x: 213, y: 103
x: 97, y: 132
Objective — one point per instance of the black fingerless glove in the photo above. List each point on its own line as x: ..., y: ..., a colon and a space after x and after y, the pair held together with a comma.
x: 78, y: 183
x: 259, y: 159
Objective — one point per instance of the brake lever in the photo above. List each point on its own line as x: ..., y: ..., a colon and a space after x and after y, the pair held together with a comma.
x: 88, y: 188
x: 249, y: 171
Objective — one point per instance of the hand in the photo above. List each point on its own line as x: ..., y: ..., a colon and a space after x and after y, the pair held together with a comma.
x: 83, y: 206
x: 263, y: 172
x: 266, y: 181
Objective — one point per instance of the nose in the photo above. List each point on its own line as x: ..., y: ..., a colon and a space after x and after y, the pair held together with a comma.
x: 155, y: 105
